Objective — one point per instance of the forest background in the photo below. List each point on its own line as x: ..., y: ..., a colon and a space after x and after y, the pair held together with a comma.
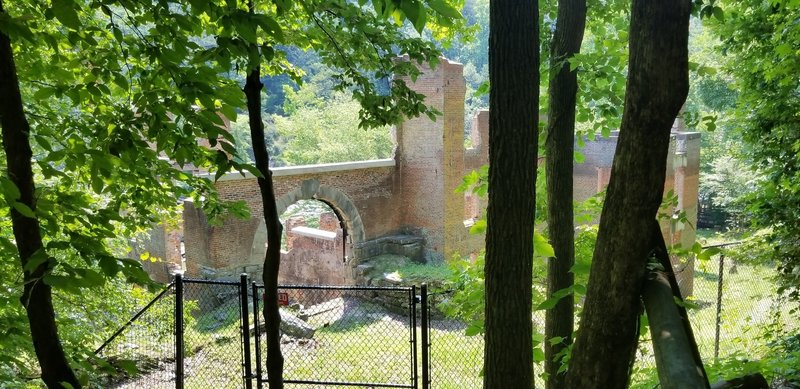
x: 742, y: 98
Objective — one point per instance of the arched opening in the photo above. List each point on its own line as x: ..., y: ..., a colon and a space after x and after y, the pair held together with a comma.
x: 314, y: 250
x: 321, y: 225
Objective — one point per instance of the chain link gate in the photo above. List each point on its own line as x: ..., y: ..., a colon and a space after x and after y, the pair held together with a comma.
x: 363, y: 336
x: 191, y: 333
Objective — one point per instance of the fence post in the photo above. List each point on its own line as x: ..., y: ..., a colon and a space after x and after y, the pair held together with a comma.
x: 719, y: 304
x: 179, y: 331
x: 256, y: 311
x: 245, y: 322
x: 425, y: 341
x: 412, y: 311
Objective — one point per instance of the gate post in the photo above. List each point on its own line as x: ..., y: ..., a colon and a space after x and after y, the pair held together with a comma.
x: 719, y: 305
x: 413, y: 313
x: 426, y: 379
x: 178, y: 331
x: 245, y: 323
x: 256, y: 324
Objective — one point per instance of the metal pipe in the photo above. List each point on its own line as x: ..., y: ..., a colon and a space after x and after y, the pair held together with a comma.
x: 412, y: 312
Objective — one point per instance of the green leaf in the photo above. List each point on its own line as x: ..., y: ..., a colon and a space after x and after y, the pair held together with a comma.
x: 579, y: 157
x: 554, y: 299
x: 688, y: 304
x: 414, y: 12
x: 538, y: 355
x: 10, y: 190
x: 59, y: 282
x: 23, y: 209
x: 443, y: 8
x: 706, y: 254
x: 580, y: 268
x: 91, y: 278
x: 128, y: 365
x: 251, y: 169
x: 479, y: 227
x: 719, y: 14
x: 65, y: 11
x: 474, y: 328
x: 555, y: 340
x: 109, y: 266
x: 541, y: 247
x: 38, y: 258
x: 44, y: 93
x: 483, y: 89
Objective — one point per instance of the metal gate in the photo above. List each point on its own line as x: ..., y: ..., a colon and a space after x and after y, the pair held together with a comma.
x: 343, y: 336
x: 202, y: 333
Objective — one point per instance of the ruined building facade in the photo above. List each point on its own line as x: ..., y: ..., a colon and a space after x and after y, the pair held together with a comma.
x: 404, y: 205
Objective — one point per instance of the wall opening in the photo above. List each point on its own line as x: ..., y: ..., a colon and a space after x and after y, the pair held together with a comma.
x: 321, y: 226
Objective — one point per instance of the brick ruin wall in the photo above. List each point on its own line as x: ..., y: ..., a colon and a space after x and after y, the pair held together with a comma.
x: 409, y: 196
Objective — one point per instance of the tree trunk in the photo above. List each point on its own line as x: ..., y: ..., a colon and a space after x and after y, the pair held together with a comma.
x: 513, y: 119
x: 656, y: 89
x: 272, y: 259
x: 36, y: 296
x: 560, y: 148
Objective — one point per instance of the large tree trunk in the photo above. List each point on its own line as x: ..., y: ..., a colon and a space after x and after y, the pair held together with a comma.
x: 272, y: 259
x: 513, y: 117
x: 656, y: 89
x: 560, y: 148
x: 36, y: 296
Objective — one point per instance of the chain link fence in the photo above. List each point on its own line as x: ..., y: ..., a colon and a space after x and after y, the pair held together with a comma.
x: 349, y: 335
x: 456, y: 360
x: 142, y: 352
x: 729, y: 302
x: 377, y: 337
x: 213, y: 353
x: 187, y: 336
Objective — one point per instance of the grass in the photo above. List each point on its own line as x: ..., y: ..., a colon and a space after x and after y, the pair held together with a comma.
x: 408, y: 271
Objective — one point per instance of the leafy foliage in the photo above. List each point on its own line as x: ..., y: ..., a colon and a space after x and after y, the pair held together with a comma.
x: 765, y: 36
x: 129, y: 87
x: 318, y: 131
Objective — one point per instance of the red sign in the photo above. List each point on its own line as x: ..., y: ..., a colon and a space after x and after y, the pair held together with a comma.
x: 283, y: 298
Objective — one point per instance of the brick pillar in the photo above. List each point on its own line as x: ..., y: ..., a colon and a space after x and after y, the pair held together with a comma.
x: 686, y: 184
x: 431, y: 161
x: 328, y: 221
x: 288, y: 225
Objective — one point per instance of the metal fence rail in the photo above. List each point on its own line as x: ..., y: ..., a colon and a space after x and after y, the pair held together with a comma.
x: 145, y: 344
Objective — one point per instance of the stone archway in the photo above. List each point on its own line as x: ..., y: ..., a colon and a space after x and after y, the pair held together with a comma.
x: 336, y: 199
x: 342, y: 206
